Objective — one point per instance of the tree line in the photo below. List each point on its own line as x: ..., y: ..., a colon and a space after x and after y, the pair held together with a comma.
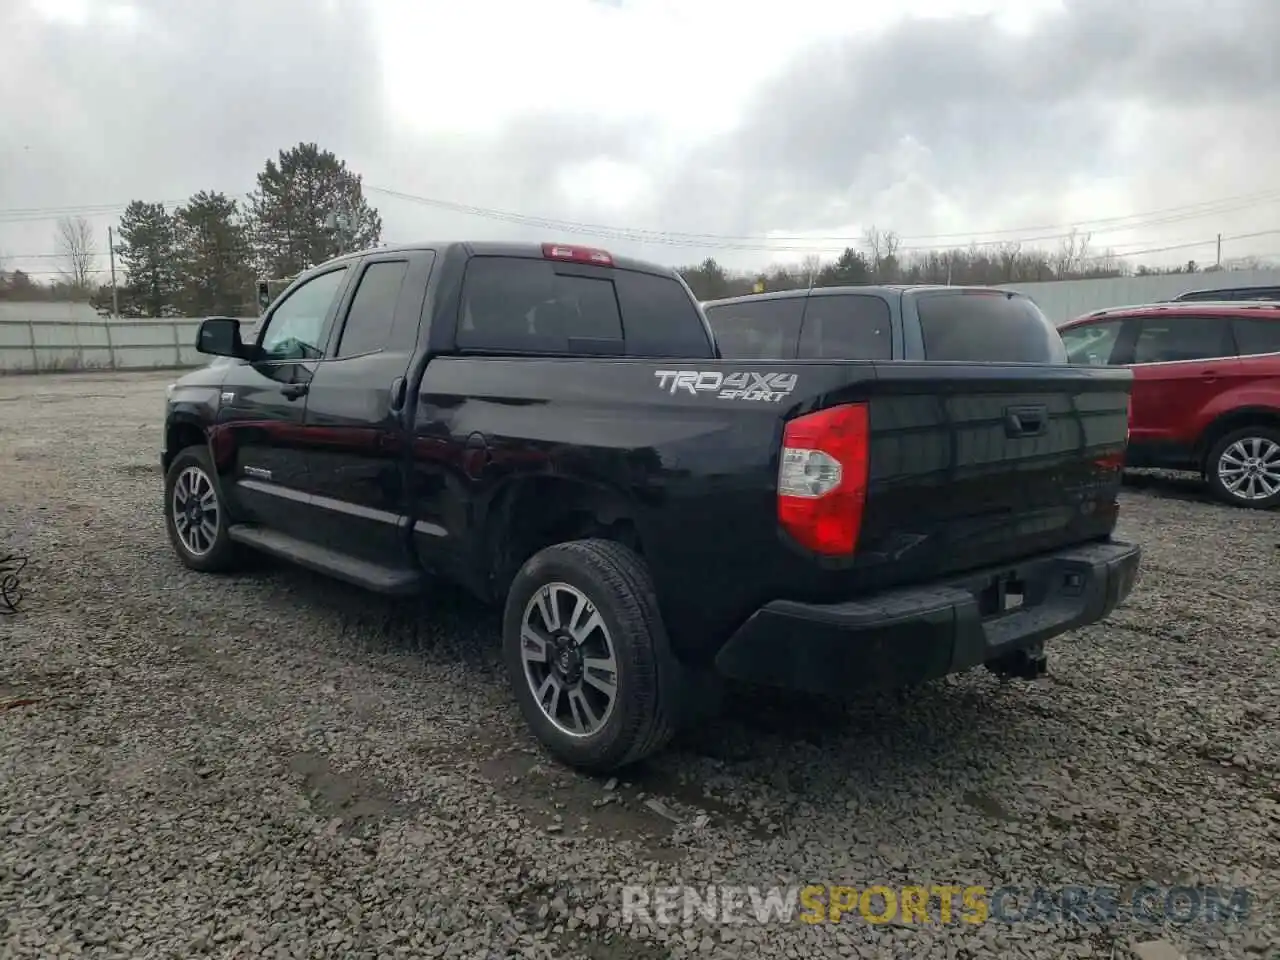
x: 881, y: 259
x: 204, y: 256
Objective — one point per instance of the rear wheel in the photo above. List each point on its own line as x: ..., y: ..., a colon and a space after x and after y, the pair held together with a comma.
x: 1243, y: 468
x: 587, y: 655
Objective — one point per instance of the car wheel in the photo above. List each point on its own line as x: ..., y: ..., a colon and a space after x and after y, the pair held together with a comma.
x: 587, y: 655
x: 194, y: 513
x: 1243, y: 468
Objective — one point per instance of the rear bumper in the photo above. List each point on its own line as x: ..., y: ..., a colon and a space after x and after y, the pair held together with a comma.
x: 904, y: 637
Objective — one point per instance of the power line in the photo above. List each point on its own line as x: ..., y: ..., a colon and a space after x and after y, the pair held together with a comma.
x: 763, y: 243
x: 813, y: 244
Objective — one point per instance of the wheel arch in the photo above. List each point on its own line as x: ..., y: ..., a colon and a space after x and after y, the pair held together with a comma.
x: 181, y: 431
x: 1233, y: 420
x: 530, y: 513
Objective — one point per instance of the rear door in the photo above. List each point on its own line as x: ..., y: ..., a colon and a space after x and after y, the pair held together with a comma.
x: 353, y: 430
x: 1180, y: 363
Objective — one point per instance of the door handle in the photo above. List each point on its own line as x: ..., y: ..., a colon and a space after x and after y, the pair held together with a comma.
x: 397, y: 394
x: 295, y: 390
x: 1025, y: 421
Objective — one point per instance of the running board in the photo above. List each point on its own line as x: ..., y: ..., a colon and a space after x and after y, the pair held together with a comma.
x: 362, y: 573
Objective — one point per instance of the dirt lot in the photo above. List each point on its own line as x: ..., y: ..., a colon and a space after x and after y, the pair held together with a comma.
x: 272, y: 764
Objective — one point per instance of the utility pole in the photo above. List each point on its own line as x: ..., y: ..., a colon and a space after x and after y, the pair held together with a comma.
x: 115, y: 295
x: 1219, y: 251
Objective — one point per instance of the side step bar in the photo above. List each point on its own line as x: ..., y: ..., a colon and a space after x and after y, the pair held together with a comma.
x: 362, y: 573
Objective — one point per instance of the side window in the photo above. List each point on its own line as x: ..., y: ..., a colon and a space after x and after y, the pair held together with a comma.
x: 757, y: 329
x: 372, y: 313
x: 296, y: 328
x: 1162, y: 340
x: 846, y: 328
x: 509, y: 303
x: 1092, y: 343
x: 1254, y: 336
x: 661, y: 317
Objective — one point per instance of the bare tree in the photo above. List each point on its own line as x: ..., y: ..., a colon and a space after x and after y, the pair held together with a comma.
x: 77, y: 250
x: 811, y: 266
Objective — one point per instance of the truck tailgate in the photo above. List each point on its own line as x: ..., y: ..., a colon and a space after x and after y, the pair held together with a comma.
x: 976, y: 464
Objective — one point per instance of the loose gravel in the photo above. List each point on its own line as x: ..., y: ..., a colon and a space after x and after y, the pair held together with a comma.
x: 272, y: 764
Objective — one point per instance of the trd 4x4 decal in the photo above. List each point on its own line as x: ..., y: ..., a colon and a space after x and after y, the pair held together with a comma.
x: 758, y: 387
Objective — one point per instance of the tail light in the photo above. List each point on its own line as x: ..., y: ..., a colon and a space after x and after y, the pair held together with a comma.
x: 822, y: 478
x: 560, y: 251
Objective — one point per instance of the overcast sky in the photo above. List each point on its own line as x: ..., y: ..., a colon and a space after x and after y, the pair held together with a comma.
x: 747, y: 130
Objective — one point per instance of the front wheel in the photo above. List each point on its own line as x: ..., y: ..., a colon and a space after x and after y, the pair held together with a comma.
x: 1243, y: 468
x: 587, y: 655
x: 194, y: 514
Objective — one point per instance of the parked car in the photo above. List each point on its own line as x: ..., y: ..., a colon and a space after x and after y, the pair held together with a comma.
x: 1271, y: 292
x: 553, y: 428
x: 1206, y: 390
x: 925, y: 322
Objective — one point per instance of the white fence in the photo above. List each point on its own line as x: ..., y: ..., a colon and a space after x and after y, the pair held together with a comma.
x: 1063, y: 300
x: 37, y: 346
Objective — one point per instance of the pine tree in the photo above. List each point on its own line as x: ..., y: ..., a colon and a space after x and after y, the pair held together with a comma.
x: 148, y: 255
x: 308, y: 206
x: 213, y: 257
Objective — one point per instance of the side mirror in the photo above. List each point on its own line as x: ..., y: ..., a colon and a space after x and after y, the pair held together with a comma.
x: 220, y: 336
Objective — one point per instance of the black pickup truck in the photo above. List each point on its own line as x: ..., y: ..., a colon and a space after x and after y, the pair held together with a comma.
x: 555, y: 429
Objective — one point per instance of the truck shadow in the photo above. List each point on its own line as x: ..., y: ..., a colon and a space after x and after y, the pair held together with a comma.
x: 1169, y: 485
x: 766, y: 764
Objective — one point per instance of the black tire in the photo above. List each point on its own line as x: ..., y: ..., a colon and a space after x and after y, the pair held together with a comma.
x: 645, y: 709
x: 221, y: 554
x: 1269, y: 435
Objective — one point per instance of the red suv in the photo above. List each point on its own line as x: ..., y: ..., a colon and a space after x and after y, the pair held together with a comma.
x: 1206, y: 389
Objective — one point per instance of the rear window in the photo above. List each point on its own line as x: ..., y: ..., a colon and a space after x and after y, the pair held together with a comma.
x: 515, y: 304
x: 757, y: 329
x: 987, y: 328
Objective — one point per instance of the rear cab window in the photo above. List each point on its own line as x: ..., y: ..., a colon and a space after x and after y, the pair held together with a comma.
x: 533, y: 305
x: 757, y: 329
x: 982, y: 326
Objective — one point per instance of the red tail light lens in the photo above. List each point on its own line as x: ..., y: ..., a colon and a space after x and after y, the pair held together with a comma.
x: 822, y: 478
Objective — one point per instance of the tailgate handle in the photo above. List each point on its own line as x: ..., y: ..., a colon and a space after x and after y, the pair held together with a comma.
x: 1025, y: 421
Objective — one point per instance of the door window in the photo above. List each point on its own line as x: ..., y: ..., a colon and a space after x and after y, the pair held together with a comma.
x: 296, y: 329
x: 1169, y: 339
x: 846, y: 328
x: 372, y: 313
x: 1091, y: 343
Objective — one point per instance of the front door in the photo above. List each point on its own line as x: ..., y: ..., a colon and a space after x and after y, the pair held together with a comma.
x: 258, y: 433
x: 354, y: 430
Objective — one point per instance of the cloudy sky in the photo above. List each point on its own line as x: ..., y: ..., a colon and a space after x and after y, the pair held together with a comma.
x: 747, y: 130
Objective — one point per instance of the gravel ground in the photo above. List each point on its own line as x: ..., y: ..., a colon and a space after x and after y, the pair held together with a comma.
x: 271, y: 764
